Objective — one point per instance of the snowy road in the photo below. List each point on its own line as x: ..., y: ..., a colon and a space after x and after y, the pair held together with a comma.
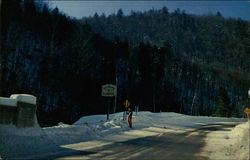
x: 155, y: 136
x: 169, y: 145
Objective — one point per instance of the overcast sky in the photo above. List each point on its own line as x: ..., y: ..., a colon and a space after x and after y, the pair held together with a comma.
x: 79, y: 9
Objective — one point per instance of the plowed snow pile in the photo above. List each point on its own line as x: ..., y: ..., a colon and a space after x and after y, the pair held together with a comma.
x: 225, y: 145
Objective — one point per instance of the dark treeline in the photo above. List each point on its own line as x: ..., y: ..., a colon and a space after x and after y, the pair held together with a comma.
x: 159, y: 60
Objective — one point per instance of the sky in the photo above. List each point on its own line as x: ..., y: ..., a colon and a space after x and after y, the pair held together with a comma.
x: 86, y: 8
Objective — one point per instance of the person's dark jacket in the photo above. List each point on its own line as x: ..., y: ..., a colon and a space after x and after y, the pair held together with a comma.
x: 130, y: 113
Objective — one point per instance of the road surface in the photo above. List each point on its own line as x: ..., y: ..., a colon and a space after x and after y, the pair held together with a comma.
x: 166, y: 146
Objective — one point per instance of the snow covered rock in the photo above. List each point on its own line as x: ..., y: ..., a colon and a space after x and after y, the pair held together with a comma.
x: 8, y: 102
x: 26, y: 98
x: 14, y: 98
x: 19, y: 110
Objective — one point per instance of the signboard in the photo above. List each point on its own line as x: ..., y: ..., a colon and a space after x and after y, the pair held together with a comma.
x: 247, y: 110
x: 109, y: 90
x: 126, y: 103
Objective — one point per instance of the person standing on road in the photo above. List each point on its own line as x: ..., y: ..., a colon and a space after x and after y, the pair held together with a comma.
x: 130, y: 113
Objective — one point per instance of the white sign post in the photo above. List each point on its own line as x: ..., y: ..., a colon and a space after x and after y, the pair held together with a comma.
x: 109, y: 90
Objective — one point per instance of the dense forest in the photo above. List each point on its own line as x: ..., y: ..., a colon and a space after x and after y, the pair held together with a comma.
x: 161, y: 61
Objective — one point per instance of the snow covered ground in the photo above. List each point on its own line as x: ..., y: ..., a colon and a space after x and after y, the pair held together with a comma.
x: 228, y: 145
x: 92, y: 131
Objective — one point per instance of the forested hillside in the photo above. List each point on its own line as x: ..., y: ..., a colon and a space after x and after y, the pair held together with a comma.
x: 207, y: 39
x: 57, y: 59
x: 209, y: 56
x: 161, y: 61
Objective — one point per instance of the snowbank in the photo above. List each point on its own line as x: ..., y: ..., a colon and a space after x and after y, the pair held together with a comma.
x: 163, y: 120
x: 226, y: 144
x: 240, y: 136
x: 19, y: 142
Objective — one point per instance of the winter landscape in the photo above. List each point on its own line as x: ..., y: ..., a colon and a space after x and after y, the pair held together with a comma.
x: 142, y: 80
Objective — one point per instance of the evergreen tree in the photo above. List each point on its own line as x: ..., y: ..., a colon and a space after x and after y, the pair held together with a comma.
x: 119, y: 13
x: 221, y: 109
x: 235, y: 112
x: 223, y: 104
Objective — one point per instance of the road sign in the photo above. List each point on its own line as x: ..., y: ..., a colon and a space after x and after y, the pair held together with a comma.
x: 109, y: 90
x: 247, y: 110
x: 126, y: 103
